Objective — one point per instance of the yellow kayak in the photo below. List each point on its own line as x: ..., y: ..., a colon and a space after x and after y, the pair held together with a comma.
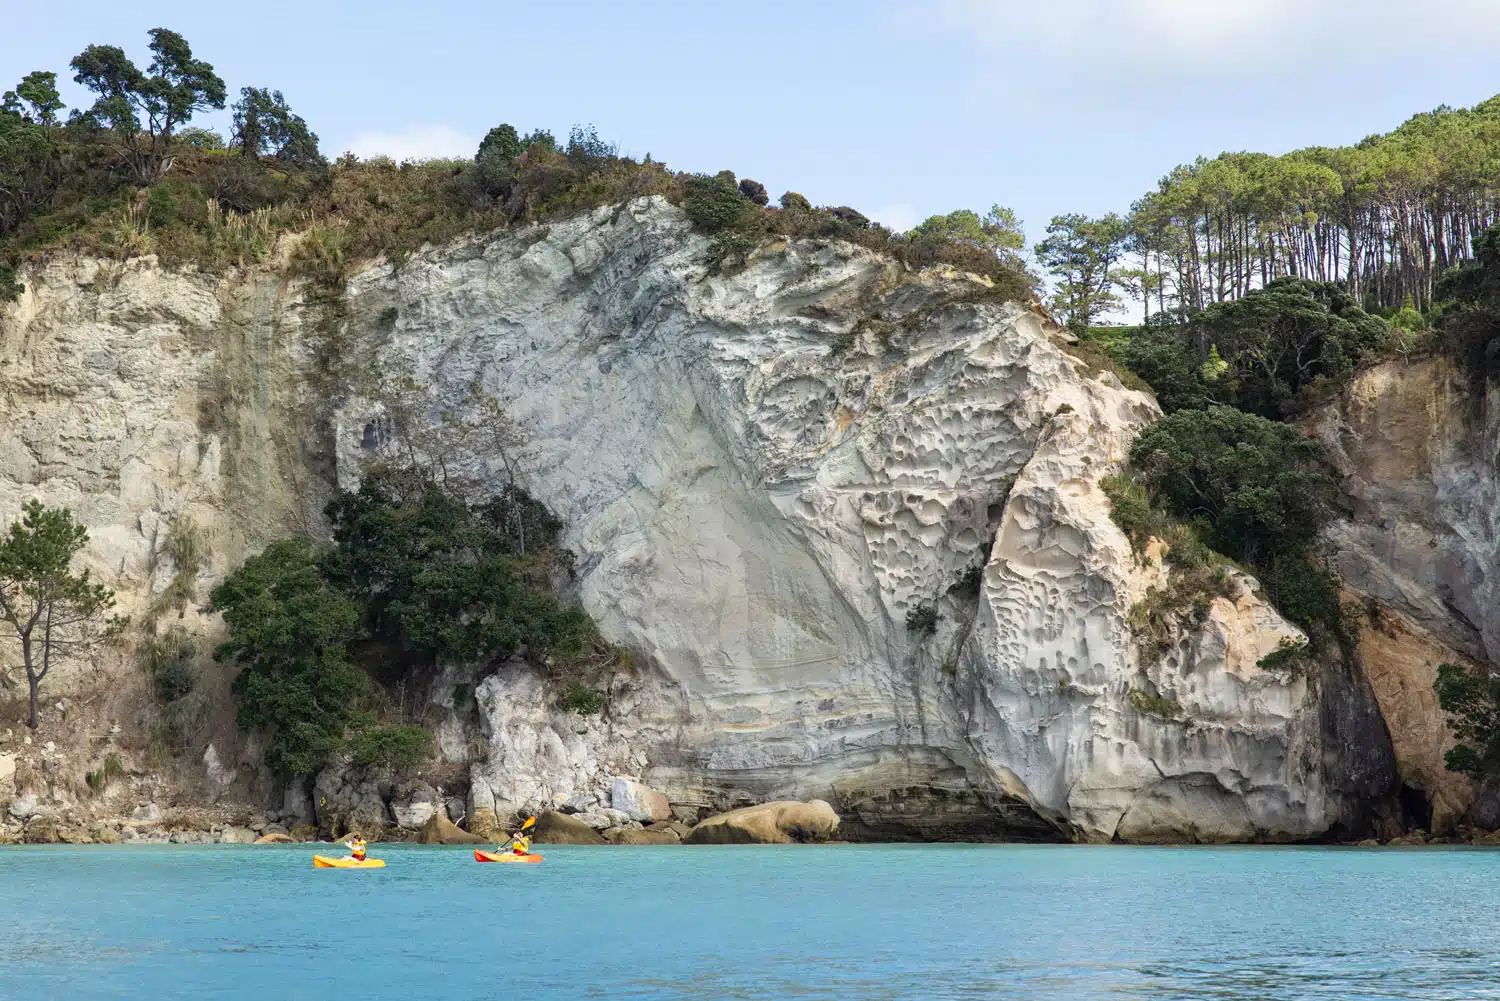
x: 482, y: 856
x: 324, y: 862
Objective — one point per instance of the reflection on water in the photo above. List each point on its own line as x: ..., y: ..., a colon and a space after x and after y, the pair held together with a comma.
x: 868, y: 922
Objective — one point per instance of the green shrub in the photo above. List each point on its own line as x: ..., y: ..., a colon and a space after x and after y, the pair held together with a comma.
x: 111, y: 770
x: 1286, y: 654
x: 1254, y: 489
x: 727, y: 250
x: 167, y: 660
x: 289, y: 632
x: 755, y: 191
x: 1131, y: 510
x: 446, y: 581
x: 714, y: 203
x: 1155, y: 705
x: 579, y: 698
x: 1263, y: 487
x: 922, y: 619
x: 1471, y: 699
x: 400, y: 748
x: 795, y: 203
x: 10, y: 287
x: 1304, y: 587
x: 1169, y: 366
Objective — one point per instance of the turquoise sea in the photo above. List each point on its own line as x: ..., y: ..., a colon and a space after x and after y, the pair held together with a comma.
x: 855, y: 921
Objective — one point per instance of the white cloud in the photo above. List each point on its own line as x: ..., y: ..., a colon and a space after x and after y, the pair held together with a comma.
x: 426, y: 142
x: 1169, y: 33
x: 897, y: 217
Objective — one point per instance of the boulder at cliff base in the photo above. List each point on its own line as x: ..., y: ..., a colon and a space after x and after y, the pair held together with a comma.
x: 553, y: 828
x: 439, y: 830
x: 779, y: 823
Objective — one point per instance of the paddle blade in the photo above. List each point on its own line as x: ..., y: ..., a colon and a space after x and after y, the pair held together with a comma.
x: 529, y: 822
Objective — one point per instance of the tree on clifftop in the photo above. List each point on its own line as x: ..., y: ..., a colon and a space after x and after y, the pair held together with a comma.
x: 1080, y: 253
x: 998, y: 231
x: 173, y: 87
x: 49, y: 607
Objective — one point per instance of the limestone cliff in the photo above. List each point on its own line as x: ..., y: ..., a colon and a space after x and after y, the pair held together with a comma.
x: 846, y: 518
x: 1417, y: 444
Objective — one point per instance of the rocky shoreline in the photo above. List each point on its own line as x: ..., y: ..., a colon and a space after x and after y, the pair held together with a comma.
x: 636, y: 815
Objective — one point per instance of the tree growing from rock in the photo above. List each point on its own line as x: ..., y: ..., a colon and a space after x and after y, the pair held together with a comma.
x: 289, y: 632
x: 49, y: 607
x: 1471, y: 700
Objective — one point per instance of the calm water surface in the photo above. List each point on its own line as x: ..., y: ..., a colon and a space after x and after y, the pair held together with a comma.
x: 1052, y: 922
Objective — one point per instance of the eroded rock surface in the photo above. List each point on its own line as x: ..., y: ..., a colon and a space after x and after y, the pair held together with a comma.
x: 846, y: 518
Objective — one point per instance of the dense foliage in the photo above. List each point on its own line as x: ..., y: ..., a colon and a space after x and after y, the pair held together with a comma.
x: 1471, y: 698
x: 442, y: 581
x: 1253, y: 489
x: 1384, y: 217
x: 1273, y: 352
x: 130, y: 176
x: 289, y: 631
x: 419, y: 578
x: 1258, y: 484
x: 1471, y: 318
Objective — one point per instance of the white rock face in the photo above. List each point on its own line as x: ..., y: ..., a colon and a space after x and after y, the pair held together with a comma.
x: 215, y: 768
x: 415, y: 805
x: 765, y: 475
x: 850, y: 529
x: 638, y: 801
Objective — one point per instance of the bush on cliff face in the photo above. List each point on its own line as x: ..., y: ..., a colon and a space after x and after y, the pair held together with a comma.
x: 1260, y: 485
x: 289, y: 632
x: 1471, y: 698
x: 444, y: 581
x: 419, y: 577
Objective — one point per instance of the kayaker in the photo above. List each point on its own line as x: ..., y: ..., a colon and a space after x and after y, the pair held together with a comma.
x: 520, y: 844
x: 357, y: 849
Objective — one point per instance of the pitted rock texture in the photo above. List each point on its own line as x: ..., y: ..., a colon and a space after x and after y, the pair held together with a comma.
x: 858, y: 560
x: 845, y: 517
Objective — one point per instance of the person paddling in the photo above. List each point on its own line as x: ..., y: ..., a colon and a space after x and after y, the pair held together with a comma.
x: 520, y: 844
x: 357, y: 849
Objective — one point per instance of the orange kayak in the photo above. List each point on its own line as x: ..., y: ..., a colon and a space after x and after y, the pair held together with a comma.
x: 480, y: 856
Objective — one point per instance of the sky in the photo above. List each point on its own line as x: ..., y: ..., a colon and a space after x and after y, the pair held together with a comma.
x: 900, y: 108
